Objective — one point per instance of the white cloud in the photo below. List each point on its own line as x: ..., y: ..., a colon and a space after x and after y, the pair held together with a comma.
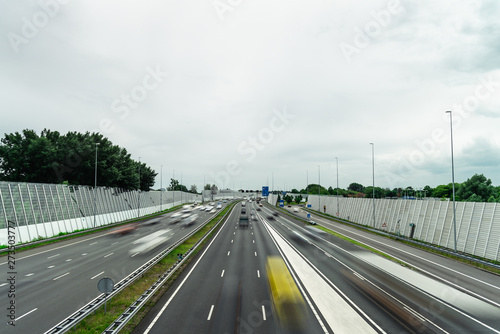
x: 227, y: 76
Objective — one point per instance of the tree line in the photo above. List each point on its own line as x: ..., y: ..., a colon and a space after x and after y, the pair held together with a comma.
x: 478, y: 188
x: 52, y: 157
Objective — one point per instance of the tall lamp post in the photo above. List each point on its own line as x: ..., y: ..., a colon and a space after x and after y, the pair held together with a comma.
x: 373, y: 172
x: 161, y: 186
x: 453, y: 182
x: 319, y: 189
x: 338, y: 213
x: 139, y: 191
x: 95, y: 181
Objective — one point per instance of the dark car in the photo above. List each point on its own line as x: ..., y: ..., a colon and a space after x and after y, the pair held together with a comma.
x: 243, y: 220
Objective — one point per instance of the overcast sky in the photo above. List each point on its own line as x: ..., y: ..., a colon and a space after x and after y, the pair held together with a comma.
x: 236, y: 92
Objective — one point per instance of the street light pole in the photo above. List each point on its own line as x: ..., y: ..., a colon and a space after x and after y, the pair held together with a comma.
x: 319, y: 189
x: 338, y: 213
x: 373, y: 172
x: 453, y: 182
x: 139, y: 191
x: 161, y: 186
x: 95, y: 181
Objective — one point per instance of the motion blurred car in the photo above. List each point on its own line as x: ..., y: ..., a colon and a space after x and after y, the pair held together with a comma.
x: 129, y: 228
x: 188, y: 221
x: 295, y: 209
x: 312, y: 222
x: 175, y: 218
x: 219, y: 206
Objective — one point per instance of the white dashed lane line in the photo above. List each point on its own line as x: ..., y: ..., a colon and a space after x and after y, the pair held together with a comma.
x: 19, y: 318
x: 93, y: 243
x: 210, y: 313
x: 222, y: 275
x: 109, y: 254
x: 102, y: 272
x: 58, y: 277
x: 50, y: 267
x: 30, y: 274
x: 50, y: 257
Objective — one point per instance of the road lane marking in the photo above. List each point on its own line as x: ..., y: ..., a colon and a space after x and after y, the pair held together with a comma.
x: 263, y: 313
x: 102, y: 272
x: 3, y: 284
x: 58, y: 277
x: 84, y: 254
x: 210, y: 313
x: 51, y: 250
x: 255, y: 253
x: 33, y: 310
x: 109, y: 254
x: 253, y: 241
x: 258, y: 273
x: 31, y: 274
x: 134, y: 254
x: 50, y: 257
x: 114, y: 243
x: 182, y: 283
x: 68, y: 260
x: 50, y: 267
x: 93, y: 243
x: 222, y: 275
x: 229, y: 252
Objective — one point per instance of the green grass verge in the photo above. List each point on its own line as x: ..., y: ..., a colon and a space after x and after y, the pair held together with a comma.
x: 99, y: 321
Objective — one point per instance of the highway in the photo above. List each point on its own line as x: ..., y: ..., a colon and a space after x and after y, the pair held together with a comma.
x: 347, y: 288
x: 55, y: 280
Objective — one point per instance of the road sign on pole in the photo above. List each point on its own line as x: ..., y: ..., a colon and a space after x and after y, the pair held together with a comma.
x: 105, y: 285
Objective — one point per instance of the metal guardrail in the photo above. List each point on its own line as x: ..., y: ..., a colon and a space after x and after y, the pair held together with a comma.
x: 408, y: 240
x: 131, y: 311
x: 93, y: 305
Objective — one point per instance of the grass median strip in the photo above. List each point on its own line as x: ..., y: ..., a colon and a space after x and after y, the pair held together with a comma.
x: 99, y: 321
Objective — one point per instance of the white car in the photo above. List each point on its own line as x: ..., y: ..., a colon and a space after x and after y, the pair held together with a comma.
x: 219, y: 206
x: 295, y: 209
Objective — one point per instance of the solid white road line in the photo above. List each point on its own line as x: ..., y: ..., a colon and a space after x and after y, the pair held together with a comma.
x: 102, y: 272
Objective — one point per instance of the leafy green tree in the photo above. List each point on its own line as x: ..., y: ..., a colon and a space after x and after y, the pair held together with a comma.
x: 443, y: 191
x: 330, y: 190
x: 294, y: 191
x: 288, y: 199
x: 193, y: 189
x: 298, y: 198
x: 55, y: 158
x: 476, y: 189
x: 356, y: 187
x: 379, y: 192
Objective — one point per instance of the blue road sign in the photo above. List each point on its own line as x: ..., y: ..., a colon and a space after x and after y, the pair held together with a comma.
x: 265, y: 191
